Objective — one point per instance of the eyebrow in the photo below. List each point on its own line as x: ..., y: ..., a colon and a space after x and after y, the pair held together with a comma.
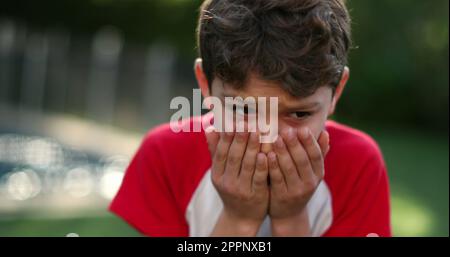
x: 292, y: 107
x: 303, y: 106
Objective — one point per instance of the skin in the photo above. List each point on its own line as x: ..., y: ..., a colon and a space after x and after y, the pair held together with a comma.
x: 294, y: 164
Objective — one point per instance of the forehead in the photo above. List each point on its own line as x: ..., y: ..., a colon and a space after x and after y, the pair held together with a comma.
x: 261, y: 88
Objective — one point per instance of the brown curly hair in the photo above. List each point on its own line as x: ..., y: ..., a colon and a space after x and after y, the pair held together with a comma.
x: 302, y: 44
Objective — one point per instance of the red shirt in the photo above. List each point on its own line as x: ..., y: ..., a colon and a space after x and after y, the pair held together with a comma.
x: 167, y: 190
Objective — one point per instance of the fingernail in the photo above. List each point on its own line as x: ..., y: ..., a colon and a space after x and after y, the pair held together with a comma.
x: 260, y: 159
x: 273, y: 155
x: 272, y: 160
x: 304, y: 133
x: 289, y: 134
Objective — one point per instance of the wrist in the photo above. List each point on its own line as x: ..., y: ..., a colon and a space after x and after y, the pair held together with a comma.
x: 296, y: 225
x: 232, y: 225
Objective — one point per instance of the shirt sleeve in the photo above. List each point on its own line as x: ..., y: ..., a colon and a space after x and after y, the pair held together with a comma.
x: 145, y: 199
x: 367, y: 210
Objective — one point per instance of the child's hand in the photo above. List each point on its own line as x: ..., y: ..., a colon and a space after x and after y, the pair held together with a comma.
x: 240, y: 175
x: 296, y: 169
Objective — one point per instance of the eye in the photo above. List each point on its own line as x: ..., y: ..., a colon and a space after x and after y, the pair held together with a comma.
x: 300, y: 115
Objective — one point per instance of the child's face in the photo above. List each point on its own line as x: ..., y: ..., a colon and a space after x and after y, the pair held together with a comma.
x: 311, y: 111
x: 293, y: 112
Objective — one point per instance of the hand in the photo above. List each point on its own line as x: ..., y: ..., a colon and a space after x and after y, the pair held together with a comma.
x: 296, y: 169
x: 240, y: 175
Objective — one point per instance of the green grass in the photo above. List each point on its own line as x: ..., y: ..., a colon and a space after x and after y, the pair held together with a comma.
x: 418, y: 168
x: 107, y: 225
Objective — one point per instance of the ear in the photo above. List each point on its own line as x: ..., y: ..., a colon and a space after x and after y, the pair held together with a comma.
x: 201, y: 78
x: 339, y: 90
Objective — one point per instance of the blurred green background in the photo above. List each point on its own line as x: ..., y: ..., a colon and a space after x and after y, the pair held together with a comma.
x: 398, y: 90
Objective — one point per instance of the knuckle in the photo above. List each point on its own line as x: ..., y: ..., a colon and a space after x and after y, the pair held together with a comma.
x: 303, y: 162
x: 240, y: 137
x: 296, y: 193
x: 227, y: 136
x: 284, y: 199
x: 243, y: 195
x: 259, y: 181
x: 220, y: 156
x: 291, y: 143
x: 310, y: 185
x: 247, y: 166
x: 276, y: 178
x: 276, y: 181
x: 233, y: 159
x: 259, y: 167
x: 291, y: 170
x: 297, y: 196
x: 316, y: 157
x: 229, y: 187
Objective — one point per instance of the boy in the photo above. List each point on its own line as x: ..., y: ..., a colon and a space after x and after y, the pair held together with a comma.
x: 318, y: 178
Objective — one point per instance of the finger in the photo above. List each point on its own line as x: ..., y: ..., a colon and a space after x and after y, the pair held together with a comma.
x: 221, y: 153
x: 287, y: 165
x: 313, y: 150
x: 324, y: 142
x: 235, y: 155
x: 249, y: 160
x: 212, y: 138
x: 261, y: 173
x: 277, y: 181
x: 298, y: 154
